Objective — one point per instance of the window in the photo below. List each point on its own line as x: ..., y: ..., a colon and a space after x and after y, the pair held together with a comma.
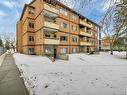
x: 74, y: 50
x: 48, y: 50
x: 63, y: 25
x: 31, y: 25
x: 31, y: 11
x: 74, y: 39
x: 63, y: 38
x: 74, y: 17
x: 31, y: 38
x: 63, y: 50
x: 31, y: 51
x: 62, y: 11
x: 74, y: 28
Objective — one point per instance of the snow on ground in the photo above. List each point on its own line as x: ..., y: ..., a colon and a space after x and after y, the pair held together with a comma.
x: 2, y: 58
x: 102, y: 74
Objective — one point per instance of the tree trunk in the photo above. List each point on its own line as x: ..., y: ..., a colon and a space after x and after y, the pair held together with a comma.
x: 111, y: 51
x: 126, y: 54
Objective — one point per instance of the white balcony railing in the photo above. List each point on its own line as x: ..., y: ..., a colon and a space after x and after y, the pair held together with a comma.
x: 82, y: 22
x: 51, y: 8
x: 85, y: 43
x: 51, y: 25
x: 51, y: 41
x: 85, y: 34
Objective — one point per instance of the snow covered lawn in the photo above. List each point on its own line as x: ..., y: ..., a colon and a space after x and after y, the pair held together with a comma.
x: 82, y: 75
x: 2, y: 58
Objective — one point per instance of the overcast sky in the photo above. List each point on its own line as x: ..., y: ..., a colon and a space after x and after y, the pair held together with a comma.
x: 10, y: 11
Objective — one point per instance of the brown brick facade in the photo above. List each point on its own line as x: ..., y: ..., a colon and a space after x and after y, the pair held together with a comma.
x: 44, y: 28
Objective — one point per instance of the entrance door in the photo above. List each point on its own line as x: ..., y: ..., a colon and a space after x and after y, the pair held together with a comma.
x: 87, y: 50
x: 55, y: 53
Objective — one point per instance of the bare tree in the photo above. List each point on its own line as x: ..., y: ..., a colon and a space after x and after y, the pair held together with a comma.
x: 10, y: 40
x: 110, y: 26
x: 74, y: 4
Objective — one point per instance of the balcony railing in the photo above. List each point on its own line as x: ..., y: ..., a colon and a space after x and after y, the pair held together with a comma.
x: 85, y: 33
x: 84, y: 43
x: 51, y: 41
x: 84, y: 23
x: 51, y: 8
x: 51, y: 25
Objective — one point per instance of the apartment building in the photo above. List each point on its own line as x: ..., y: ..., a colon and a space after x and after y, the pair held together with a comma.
x: 50, y: 27
x: 106, y: 43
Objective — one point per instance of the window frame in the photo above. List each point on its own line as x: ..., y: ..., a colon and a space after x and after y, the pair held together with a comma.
x: 31, y: 39
x: 74, y: 50
x: 74, y: 17
x: 63, y: 12
x: 64, y: 25
x: 63, y: 50
x: 74, y: 41
x: 65, y: 39
x: 74, y: 28
x: 31, y: 25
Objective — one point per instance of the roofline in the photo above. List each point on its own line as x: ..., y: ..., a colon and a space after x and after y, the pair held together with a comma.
x: 81, y: 16
x: 25, y: 6
x: 61, y: 4
x: 32, y: 2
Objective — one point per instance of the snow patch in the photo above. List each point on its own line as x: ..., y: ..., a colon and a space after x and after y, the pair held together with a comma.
x: 82, y: 74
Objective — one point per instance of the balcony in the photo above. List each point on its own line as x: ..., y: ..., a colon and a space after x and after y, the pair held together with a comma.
x: 83, y: 43
x: 51, y: 41
x: 84, y: 23
x: 50, y: 14
x: 51, y: 9
x: 85, y: 34
x: 51, y: 25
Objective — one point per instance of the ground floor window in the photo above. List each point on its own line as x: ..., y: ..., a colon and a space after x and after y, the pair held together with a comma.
x: 31, y: 50
x: 83, y: 49
x: 63, y: 50
x: 74, y: 50
x: 49, y: 50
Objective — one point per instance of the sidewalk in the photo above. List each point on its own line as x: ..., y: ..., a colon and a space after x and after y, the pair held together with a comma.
x: 10, y: 81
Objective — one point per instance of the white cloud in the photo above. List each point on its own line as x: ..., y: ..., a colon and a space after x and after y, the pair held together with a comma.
x: 8, y: 3
x: 2, y: 14
x: 13, y: 4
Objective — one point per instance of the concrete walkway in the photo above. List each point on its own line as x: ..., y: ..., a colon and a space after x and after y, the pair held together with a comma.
x: 10, y: 81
